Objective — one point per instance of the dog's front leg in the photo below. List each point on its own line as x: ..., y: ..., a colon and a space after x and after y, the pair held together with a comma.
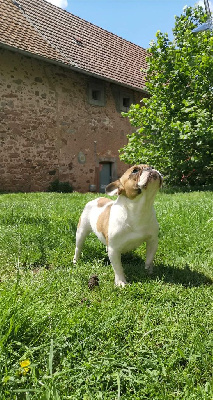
x: 115, y: 259
x: 151, y: 248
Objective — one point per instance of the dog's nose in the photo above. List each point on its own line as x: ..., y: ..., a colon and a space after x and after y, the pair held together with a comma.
x: 155, y: 174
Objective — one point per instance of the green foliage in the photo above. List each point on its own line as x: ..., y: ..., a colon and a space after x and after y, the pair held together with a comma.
x: 60, y: 187
x: 60, y: 340
x: 175, y: 125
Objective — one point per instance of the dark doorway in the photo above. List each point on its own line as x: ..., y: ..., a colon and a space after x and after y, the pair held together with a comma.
x: 104, y: 176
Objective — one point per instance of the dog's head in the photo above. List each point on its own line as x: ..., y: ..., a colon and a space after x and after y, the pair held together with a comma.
x: 136, y: 181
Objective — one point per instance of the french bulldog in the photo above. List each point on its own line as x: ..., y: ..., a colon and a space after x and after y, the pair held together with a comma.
x: 124, y: 224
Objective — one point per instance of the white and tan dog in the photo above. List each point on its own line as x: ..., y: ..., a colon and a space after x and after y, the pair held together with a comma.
x: 122, y: 225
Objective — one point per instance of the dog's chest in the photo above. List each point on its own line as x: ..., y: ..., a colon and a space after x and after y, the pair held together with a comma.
x: 130, y: 237
x: 128, y: 229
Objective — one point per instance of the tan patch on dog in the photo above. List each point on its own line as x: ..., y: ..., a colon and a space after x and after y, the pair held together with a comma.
x: 127, y: 185
x: 129, y: 181
x: 103, y: 222
x: 103, y: 201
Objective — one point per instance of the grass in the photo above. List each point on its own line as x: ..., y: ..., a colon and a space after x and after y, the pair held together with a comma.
x: 60, y: 340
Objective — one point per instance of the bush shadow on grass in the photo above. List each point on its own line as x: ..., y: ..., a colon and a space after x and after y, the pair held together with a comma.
x: 134, y: 268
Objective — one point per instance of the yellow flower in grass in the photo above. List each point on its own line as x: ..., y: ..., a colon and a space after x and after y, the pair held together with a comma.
x: 25, y: 365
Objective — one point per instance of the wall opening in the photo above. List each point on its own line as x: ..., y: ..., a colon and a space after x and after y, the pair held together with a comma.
x: 96, y: 95
x: 105, y: 175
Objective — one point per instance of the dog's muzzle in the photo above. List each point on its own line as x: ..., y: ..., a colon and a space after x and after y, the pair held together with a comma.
x: 153, y: 175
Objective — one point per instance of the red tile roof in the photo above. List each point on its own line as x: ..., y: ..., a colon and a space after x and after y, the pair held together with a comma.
x: 42, y: 29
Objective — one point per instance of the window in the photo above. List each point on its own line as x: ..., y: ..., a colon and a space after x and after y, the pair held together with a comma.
x: 126, y: 102
x: 96, y: 94
x: 126, y: 99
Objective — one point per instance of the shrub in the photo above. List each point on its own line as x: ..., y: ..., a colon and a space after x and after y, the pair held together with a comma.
x: 174, y: 127
x: 60, y: 187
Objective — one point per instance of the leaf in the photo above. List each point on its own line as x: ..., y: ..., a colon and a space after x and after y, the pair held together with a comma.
x: 51, y: 358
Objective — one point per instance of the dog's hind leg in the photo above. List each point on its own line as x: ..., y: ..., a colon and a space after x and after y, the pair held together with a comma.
x: 83, y: 231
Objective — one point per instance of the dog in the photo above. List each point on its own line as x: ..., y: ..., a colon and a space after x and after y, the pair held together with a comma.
x: 124, y: 224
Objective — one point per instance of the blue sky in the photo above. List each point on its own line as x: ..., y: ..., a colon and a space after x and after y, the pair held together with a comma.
x: 134, y: 20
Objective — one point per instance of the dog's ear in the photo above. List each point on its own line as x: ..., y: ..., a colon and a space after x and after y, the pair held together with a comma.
x: 114, y: 188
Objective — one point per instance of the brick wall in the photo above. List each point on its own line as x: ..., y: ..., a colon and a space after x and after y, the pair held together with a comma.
x: 50, y: 130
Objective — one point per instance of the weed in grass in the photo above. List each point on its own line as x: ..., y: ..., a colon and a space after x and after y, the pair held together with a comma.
x: 150, y: 340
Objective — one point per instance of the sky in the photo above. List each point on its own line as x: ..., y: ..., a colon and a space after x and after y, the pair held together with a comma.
x: 133, y: 20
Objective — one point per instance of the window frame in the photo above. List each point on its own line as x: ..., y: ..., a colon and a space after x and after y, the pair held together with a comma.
x: 99, y: 88
x: 125, y: 95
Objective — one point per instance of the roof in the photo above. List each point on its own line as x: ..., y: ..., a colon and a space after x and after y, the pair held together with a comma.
x: 41, y: 29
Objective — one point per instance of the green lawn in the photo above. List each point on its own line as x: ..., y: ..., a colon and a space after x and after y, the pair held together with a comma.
x: 151, y: 340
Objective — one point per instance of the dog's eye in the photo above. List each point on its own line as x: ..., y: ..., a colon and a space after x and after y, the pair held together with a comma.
x: 135, y: 171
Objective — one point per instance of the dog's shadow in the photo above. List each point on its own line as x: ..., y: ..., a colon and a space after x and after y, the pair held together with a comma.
x: 134, y: 268
x: 135, y: 272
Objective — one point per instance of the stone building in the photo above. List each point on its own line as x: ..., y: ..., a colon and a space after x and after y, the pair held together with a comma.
x: 63, y: 85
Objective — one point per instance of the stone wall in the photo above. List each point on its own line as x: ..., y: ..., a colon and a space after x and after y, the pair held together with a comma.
x: 56, y: 123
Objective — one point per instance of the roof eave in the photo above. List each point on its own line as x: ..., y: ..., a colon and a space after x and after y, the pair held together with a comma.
x: 70, y: 67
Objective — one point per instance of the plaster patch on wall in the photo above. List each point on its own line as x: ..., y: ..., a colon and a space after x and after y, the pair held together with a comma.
x: 81, y: 157
x: 107, y: 122
x: 94, y: 122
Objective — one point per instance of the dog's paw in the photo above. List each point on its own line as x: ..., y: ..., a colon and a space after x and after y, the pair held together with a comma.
x: 120, y: 282
x: 149, y: 269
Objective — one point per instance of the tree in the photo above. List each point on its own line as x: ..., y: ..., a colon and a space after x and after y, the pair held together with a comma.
x: 175, y: 124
